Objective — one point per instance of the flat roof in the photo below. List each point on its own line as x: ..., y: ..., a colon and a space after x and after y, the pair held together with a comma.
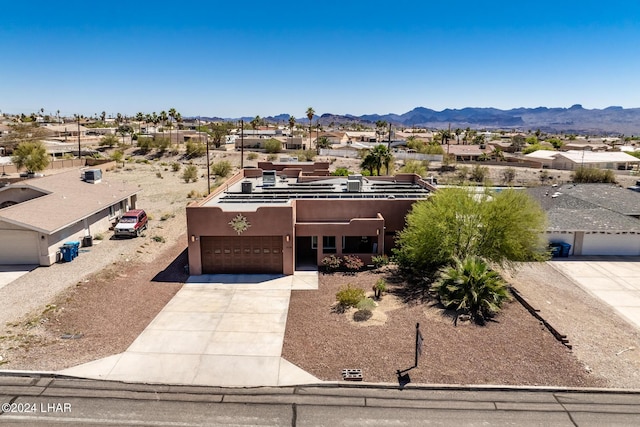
x: 283, y: 190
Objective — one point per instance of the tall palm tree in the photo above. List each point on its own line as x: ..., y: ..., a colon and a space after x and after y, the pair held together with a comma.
x: 163, y: 118
x: 470, y: 286
x: 381, y: 156
x: 369, y: 163
x: 172, y: 116
x: 139, y: 119
x: 310, y: 114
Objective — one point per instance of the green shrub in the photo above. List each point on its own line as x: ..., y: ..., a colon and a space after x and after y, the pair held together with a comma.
x: 195, y: 149
x: 380, y: 261
x: 415, y: 166
x: 190, y: 174
x: 352, y: 263
x: 222, y: 168
x: 593, y: 175
x: 252, y: 156
x: 479, y: 173
x: 158, y: 239
x: 271, y: 157
x: 366, y: 304
x: 341, y: 171
x: 175, y: 166
x: 331, y: 263
x: 273, y: 146
x: 349, y: 296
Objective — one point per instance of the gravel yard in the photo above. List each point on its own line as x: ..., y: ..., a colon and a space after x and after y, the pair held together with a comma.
x: 107, y: 296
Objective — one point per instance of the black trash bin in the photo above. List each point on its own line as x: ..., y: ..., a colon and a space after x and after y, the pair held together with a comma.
x: 87, y: 241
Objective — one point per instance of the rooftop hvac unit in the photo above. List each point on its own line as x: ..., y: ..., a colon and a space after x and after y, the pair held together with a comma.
x: 92, y: 176
x: 354, y: 186
x: 247, y: 187
x: 269, y: 178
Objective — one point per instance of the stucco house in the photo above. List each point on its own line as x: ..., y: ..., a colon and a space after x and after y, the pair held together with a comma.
x: 38, y: 215
x: 268, y: 221
x: 595, y: 219
x: 571, y: 160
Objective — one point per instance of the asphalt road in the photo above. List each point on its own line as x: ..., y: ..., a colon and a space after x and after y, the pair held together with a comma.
x: 28, y: 400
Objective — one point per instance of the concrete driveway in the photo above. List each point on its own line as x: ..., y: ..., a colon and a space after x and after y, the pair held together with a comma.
x: 223, y: 330
x: 9, y: 273
x: 615, y: 280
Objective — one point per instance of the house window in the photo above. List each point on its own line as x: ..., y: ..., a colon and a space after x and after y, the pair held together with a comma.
x: 114, y: 211
x: 329, y: 244
x: 359, y: 244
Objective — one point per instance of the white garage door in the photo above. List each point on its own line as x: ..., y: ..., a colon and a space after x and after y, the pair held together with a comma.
x: 611, y: 244
x: 19, y: 247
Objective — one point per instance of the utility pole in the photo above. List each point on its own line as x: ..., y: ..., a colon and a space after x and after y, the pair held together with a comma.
x: 79, y: 152
x: 208, y: 164
x: 241, y: 144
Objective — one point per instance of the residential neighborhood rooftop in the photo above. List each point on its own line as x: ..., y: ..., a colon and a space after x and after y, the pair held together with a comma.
x: 253, y: 192
x: 65, y: 198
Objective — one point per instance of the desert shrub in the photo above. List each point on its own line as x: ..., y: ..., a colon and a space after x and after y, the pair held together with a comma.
x: 159, y: 175
x: 508, y: 175
x: 352, y: 263
x: 479, y: 173
x: 341, y: 171
x: 349, y: 296
x: 193, y: 194
x: 222, y: 168
x: 415, y: 166
x: 380, y: 286
x: 195, y: 149
x: 145, y: 144
x: 271, y: 157
x: 252, y: 156
x: 331, y: 263
x: 380, y: 261
x: 175, y: 166
x: 593, y: 175
x: 190, y: 174
x: 162, y: 144
x: 366, y: 304
x: 461, y: 174
x: 158, y: 239
x: 306, y: 155
x: 273, y: 146
x: 98, y: 236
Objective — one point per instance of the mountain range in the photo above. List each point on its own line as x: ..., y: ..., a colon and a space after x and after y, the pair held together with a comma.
x: 575, y: 119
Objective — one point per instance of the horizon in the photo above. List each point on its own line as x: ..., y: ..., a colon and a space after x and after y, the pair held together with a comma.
x: 213, y: 60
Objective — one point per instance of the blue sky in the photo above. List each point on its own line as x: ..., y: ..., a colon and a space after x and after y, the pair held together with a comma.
x: 229, y: 59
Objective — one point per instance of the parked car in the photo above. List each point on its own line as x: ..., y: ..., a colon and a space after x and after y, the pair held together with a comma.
x: 131, y: 224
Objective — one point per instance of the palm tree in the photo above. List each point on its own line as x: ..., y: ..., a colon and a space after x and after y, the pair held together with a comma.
x: 163, y: 118
x: 255, y: 123
x: 469, y: 286
x: 292, y: 122
x: 381, y: 156
x: 172, y: 116
x: 139, y: 119
x: 310, y: 114
x: 369, y: 163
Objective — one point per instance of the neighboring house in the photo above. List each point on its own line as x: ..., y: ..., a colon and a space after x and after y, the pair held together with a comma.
x: 265, y: 221
x: 363, y: 136
x: 65, y: 130
x: 39, y: 215
x: 571, y: 160
x: 596, y: 219
x: 465, y: 152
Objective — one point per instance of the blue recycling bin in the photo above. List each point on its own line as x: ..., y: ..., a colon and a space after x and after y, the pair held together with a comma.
x: 565, y: 249
x: 66, y: 252
x: 74, y: 247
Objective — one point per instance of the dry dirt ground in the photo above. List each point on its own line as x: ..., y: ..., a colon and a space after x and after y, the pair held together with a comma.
x: 103, y: 312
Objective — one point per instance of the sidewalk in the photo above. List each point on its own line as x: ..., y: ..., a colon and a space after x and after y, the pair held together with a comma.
x: 223, y: 330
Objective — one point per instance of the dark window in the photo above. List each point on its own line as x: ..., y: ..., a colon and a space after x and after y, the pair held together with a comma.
x: 359, y: 244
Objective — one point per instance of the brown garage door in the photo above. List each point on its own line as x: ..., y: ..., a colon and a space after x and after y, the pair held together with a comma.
x: 241, y: 254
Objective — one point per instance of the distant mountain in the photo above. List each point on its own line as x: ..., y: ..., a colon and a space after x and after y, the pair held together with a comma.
x: 575, y: 119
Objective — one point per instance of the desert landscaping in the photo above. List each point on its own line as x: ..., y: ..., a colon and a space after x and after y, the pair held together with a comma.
x: 98, y: 312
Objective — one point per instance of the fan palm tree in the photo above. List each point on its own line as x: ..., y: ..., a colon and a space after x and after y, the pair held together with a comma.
x: 139, y: 119
x: 470, y: 286
x: 172, y: 116
x: 310, y: 114
x: 369, y: 163
x: 163, y: 118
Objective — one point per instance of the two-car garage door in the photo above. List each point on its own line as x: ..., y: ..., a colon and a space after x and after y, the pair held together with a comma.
x: 241, y: 254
